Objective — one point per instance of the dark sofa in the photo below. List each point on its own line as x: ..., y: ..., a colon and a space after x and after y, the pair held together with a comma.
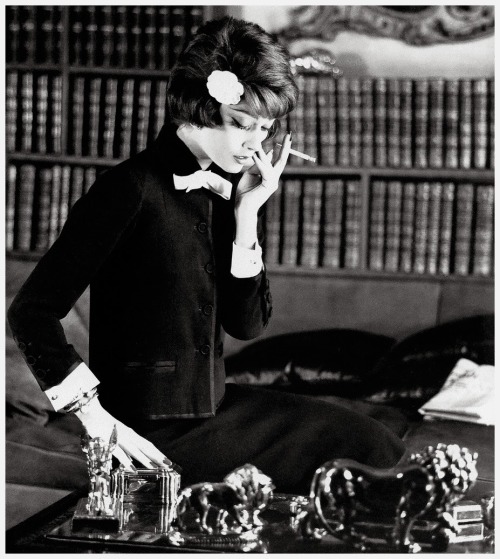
x: 370, y: 373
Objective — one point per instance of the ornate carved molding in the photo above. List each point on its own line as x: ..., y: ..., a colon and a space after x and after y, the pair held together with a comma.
x: 415, y: 25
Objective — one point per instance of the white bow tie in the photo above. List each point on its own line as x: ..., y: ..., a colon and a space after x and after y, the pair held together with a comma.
x: 204, y: 179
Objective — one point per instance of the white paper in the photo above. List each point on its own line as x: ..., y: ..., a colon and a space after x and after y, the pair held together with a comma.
x: 467, y: 395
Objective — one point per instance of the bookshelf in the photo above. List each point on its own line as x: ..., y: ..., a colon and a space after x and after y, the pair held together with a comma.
x: 86, y: 88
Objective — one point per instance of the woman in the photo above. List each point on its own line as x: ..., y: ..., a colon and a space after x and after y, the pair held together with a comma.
x: 169, y: 243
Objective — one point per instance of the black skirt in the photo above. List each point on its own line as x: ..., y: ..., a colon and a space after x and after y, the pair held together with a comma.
x: 287, y: 436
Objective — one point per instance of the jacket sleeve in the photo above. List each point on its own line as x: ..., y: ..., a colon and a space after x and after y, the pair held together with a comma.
x: 247, y: 302
x: 94, y: 226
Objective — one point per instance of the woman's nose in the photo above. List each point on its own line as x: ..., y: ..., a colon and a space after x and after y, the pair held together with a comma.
x: 253, y: 141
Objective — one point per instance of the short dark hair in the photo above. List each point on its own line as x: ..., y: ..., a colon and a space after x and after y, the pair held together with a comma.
x: 261, y: 64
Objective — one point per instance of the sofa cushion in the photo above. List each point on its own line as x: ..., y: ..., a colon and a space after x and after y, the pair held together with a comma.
x: 333, y: 361
x: 416, y: 368
x: 48, y: 455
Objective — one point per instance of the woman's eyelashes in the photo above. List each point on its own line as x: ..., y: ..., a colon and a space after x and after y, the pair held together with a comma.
x: 241, y: 126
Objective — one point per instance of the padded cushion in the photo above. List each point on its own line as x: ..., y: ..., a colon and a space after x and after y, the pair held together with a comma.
x: 47, y: 455
x: 331, y: 361
x: 415, y: 369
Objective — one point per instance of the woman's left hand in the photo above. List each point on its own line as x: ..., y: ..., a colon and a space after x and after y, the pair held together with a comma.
x: 262, y: 179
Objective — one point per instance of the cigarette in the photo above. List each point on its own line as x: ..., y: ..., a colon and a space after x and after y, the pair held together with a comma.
x: 301, y: 155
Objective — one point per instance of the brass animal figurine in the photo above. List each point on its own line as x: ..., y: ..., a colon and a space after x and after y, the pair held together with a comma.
x: 231, y: 506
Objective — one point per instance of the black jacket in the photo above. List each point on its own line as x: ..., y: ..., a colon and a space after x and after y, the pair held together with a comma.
x: 158, y: 264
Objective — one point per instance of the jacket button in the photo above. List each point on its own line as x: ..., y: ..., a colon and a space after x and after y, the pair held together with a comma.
x: 205, y: 349
x: 209, y: 268
x: 22, y: 346
x: 202, y: 227
x: 30, y: 360
x: 207, y: 310
x: 40, y: 373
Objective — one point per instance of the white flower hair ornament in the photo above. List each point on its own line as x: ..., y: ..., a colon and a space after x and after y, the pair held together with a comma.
x: 224, y: 87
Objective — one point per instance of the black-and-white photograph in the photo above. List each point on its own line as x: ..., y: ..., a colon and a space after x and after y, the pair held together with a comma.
x: 249, y: 278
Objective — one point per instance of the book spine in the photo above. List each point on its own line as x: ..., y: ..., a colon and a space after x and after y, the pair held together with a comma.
x: 91, y: 36
x: 377, y: 224
x: 121, y: 32
x: 355, y: 122
x: 127, y: 118
x: 436, y: 121
x: 343, y: 122
x: 483, y: 234
x: 163, y: 37
x: 491, y: 122
x: 394, y: 219
x: 480, y: 123
x: 446, y: 228
x: 24, y: 211
x: 393, y: 123
x: 451, y: 124
x: 421, y: 227
x: 64, y: 202
x: 74, y: 191
x: 94, y: 114
x: 291, y: 212
x: 367, y: 124
x: 435, y: 196
x: 42, y: 103
x: 77, y: 185
x: 160, y: 106
x: 143, y: 113
x: 106, y: 32
x: 78, y: 101
x: 88, y: 178
x: 56, y: 121
x: 136, y: 38
x: 110, y: 102
x: 58, y: 33
x: 10, y: 206
x: 44, y: 201
x: 27, y: 112
x: 333, y: 223
x: 310, y: 116
x: 273, y: 227
x: 13, y: 21
x: 352, y: 254
x: 150, y: 37
x: 45, y: 34
x: 296, y: 120
x: 11, y: 109
x: 463, y: 229
x: 407, y: 227
x: 28, y: 33
x: 421, y: 117
x: 326, y: 120
x: 195, y: 20
x: 311, y: 222
x: 380, y: 122
x: 465, y: 124
x: 76, y: 33
x: 406, y: 129
x: 177, y: 31
x: 53, y: 225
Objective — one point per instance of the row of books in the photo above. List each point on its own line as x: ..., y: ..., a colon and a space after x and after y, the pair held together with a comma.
x: 413, y: 227
x: 33, y: 113
x: 38, y: 200
x: 114, y: 117
x: 121, y: 36
x: 391, y: 122
x: 34, y: 34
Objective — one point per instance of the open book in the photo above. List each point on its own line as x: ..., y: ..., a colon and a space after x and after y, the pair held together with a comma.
x: 467, y: 395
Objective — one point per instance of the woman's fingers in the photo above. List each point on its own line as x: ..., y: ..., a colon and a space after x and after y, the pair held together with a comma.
x: 123, y: 458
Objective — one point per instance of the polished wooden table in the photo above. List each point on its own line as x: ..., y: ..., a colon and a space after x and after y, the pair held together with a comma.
x: 50, y: 531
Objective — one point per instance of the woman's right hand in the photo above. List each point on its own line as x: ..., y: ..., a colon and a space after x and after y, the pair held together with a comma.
x: 99, y: 423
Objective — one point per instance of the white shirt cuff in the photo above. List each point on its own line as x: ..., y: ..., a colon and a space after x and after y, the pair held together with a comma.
x: 79, y: 381
x: 246, y: 262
